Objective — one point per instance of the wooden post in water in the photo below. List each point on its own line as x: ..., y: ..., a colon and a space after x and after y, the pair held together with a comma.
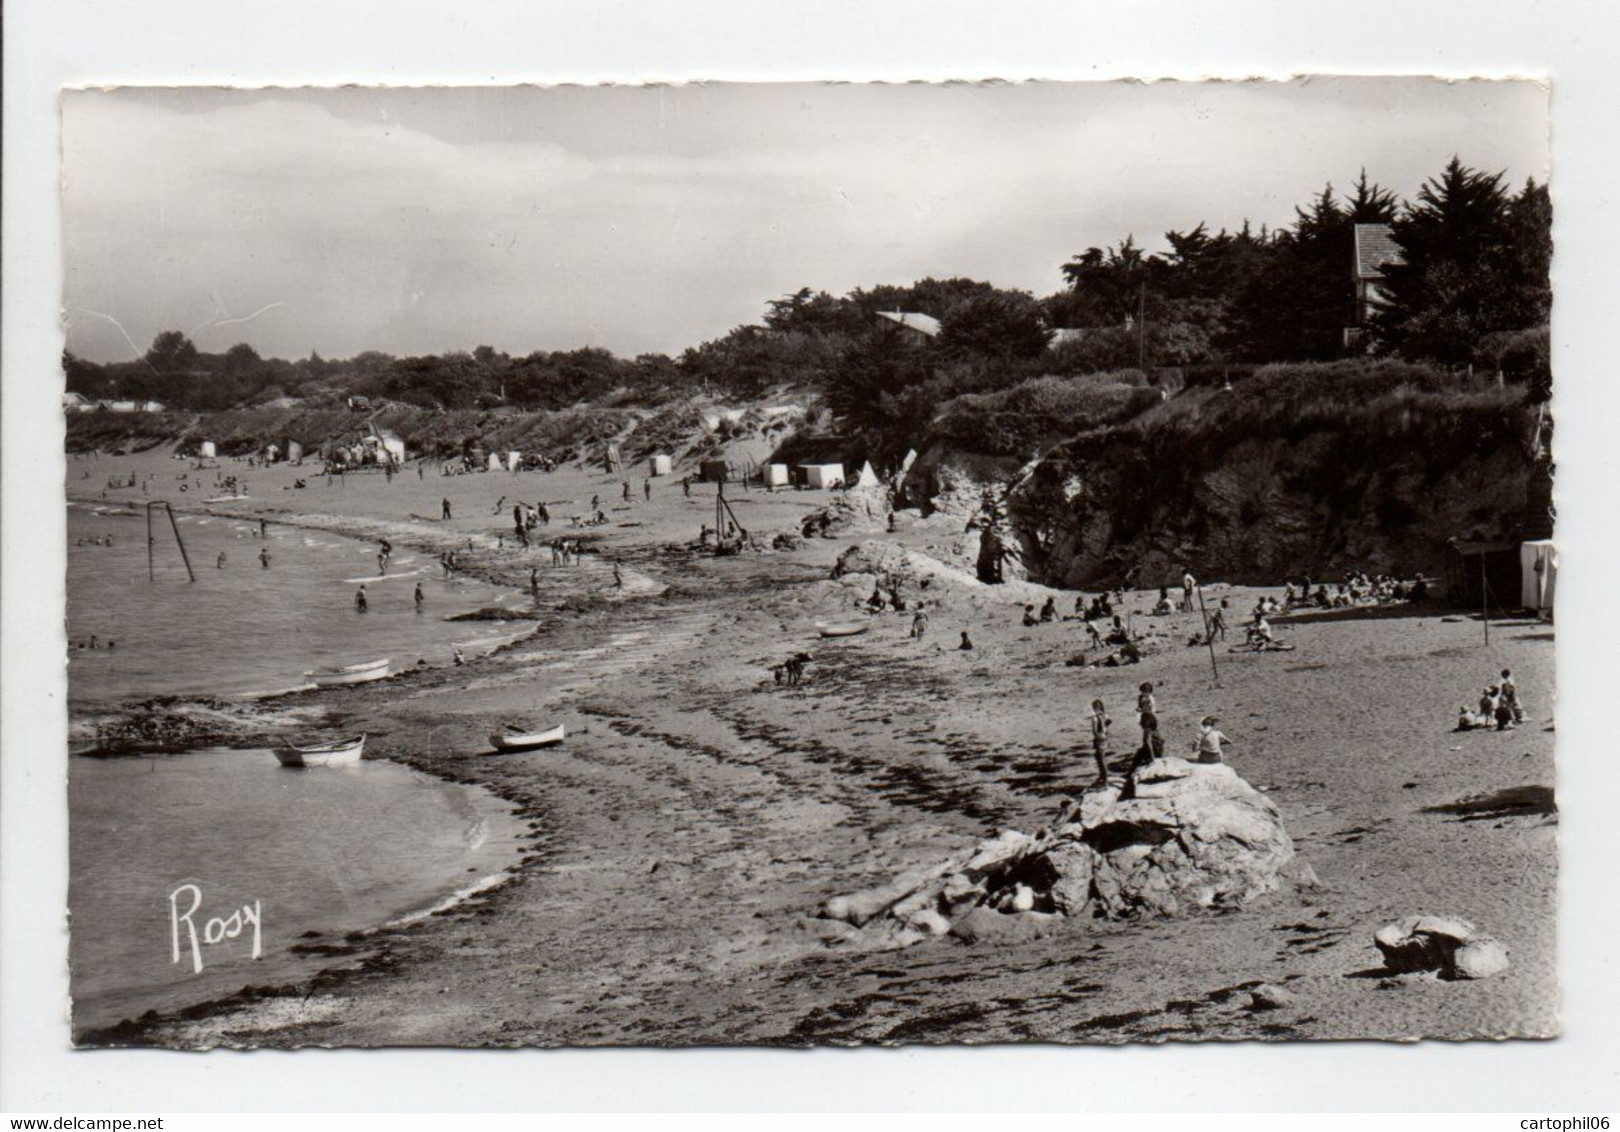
x: 151, y: 573
x: 175, y: 528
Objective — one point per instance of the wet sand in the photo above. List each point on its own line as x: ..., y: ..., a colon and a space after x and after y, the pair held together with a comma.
x: 698, y: 814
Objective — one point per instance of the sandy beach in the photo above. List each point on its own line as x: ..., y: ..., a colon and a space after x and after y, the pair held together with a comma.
x: 698, y: 815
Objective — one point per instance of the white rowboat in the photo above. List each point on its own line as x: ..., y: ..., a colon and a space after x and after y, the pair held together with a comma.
x: 350, y: 674
x: 342, y: 753
x: 842, y: 628
x: 527, y: 740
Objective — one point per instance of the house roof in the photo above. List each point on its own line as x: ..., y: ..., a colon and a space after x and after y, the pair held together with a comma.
x: 1375, y: 247
x: 925, y: 324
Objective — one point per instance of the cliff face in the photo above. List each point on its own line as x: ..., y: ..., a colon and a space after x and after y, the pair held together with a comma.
x: 1299, y: 470
x: 1106, y: 511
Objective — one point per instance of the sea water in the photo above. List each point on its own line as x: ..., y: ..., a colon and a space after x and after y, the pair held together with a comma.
x: 183, y: 865
x: 242, y: 628
x: 164, y: 848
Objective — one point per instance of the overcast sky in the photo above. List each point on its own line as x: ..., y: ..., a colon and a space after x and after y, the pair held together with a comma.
x: 649, y: 219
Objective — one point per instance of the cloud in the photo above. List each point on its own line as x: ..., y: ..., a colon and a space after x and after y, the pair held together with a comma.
x: 413, y: 221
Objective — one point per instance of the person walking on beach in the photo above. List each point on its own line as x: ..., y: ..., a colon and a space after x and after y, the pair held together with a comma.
x: 384, y: 552
x: 264, y: 558
x: 686, y: 486
x: 264, y: 531
x: 418, y: 597
x: 967, y: 643
x: 534, y: 576
x: 919, y: 624
x: 360, y: 603
x: 627, y: 491
x: 1099, y: 742
x: 1188, y: 585
x: 646, y: 489
x: 446, y: 511
x: 1210, y: 740
x: 618, y: 577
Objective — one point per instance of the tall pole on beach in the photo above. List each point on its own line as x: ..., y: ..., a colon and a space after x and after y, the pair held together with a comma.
x: 151, y: 574
x: 1484, y: 601
x: 1208, y: 638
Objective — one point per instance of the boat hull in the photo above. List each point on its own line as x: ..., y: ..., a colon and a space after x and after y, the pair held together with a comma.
x: 331, y: 754
x: 528, y: 741
x: 353, y: 674
x: 846, y: 629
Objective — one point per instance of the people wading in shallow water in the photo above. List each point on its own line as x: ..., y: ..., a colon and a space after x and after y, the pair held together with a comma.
x: 220, y: 563
x: 418, y: 597
x: 360, y: 602
x: 264, y: 558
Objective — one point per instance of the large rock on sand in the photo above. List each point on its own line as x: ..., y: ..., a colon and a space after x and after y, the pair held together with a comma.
x: 1195, y: 836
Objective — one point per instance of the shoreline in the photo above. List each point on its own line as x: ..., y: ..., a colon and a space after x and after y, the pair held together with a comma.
x: 698, y: 816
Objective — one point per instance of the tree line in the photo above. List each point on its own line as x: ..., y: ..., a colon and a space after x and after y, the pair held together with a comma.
x: 1472, y: 287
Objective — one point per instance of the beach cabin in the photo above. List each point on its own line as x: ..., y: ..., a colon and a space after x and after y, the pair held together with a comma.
x: 1538, y: 575
x: 714, y: 471
x: 1483, y: 575
x: 776, y: 475
x: 825, y: 461
x: 295, y: 452
x: 494, y: 463
x: 660, y: 465
x: 77, y: 403
x: 207, y: 450
x: 514, y: 461
x: 822, y: 475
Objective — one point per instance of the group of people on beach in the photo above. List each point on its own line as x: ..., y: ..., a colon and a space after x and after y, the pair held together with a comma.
x: 1209, y: 743
x: 1499, y: 707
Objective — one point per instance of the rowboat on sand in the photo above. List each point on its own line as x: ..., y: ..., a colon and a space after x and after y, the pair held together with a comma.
x: 342, y: 753
x: 842, y: 628
x: 349, y: 674
x: 515, y: 740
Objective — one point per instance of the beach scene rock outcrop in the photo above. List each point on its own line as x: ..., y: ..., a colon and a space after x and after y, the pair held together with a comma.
x: 1192, y: 837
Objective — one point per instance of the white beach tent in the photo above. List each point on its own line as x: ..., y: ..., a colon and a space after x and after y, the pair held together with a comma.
x: 1538, y: 568
x: 661, y: 465
x: 776, y: 475
x: 494, y: 462
x: 514, y: 461
x: 207, y: 449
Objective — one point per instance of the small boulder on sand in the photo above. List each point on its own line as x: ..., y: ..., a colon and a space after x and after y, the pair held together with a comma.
x: 1445, y: 944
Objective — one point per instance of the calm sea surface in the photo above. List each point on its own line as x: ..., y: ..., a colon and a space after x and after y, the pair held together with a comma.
x: 242, y: 628
x: 324, y: 850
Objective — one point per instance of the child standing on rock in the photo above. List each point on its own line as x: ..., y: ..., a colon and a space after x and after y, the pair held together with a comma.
x: 1210, y: 740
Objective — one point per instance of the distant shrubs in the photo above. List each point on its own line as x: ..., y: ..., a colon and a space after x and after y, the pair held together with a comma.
x: 1022, y: 419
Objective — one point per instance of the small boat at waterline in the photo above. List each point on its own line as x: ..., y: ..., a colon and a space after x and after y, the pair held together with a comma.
x: 842, y: 628
x: 349, y: 674
x: 512, y: 740
x: 344, y: 752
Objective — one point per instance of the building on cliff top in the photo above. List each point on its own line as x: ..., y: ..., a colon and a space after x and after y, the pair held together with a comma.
x: 1373, y: 248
